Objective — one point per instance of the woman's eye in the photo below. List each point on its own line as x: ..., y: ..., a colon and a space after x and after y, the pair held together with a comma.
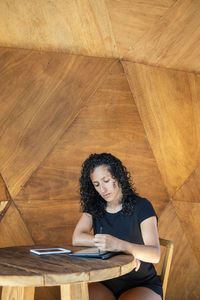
x: 106, y: 180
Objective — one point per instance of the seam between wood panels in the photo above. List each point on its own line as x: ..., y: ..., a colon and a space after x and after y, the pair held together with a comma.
x: 146, y: 137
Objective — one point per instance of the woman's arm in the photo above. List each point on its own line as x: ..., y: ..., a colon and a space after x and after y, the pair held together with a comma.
x: 82, y: 235
x: 149, y: 252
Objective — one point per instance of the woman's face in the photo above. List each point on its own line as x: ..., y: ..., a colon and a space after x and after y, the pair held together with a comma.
x: 106, y: 185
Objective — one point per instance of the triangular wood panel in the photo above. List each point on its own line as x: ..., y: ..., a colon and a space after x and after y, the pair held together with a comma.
x: 130, y: 21
x: 50, y: 221
x: 82, y: 27
x: 173, y: 41
x: 188, y: 214
x: 169, y: 109
x: 13, y: 231
x: 109, y: 123
x: 48, y: 91
x: 185, y: 271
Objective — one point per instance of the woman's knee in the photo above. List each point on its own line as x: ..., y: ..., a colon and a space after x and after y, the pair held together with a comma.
x: 98, y: 291
x: 140, y: 293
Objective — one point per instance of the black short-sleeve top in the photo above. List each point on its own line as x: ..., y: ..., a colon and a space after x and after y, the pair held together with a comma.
x: 127, y: 227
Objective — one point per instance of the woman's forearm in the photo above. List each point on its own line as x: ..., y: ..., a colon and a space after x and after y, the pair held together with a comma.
x: 141, y: 252
x: 83, y: 239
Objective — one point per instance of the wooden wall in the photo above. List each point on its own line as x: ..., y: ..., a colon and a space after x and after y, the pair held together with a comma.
x: 57, y: 108
x: 156, y: 32
x: 123, y: 78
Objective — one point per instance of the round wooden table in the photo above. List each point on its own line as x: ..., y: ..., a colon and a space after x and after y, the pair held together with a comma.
x: 22, y: 271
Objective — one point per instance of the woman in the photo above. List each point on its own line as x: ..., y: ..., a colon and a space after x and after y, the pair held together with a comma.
x: 122, y: 222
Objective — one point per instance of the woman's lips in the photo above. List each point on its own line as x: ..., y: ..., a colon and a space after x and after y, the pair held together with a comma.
x: 106, y: 195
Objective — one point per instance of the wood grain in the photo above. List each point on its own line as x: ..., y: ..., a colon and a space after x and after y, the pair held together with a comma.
x: 18, y: 293
x: 173, y: 41
x: 2, y: 207
x: 4, y: 194
x: 190, y: 190
x: 188, y: 214
x: 57, y: 269
x: 130, y: 21
x: 13, y: 230
x: 163, y: 33
x: 82, y: 27
x: 183, y: 259
x: 50, y: 221
x: 50, y: 293
x: 169, y: 110
x: 110, y: 122
x: 5, y: 199
x: 35, y: 115
x: 74, y: 292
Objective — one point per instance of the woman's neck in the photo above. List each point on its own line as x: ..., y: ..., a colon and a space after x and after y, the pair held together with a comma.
x: 113, y: 208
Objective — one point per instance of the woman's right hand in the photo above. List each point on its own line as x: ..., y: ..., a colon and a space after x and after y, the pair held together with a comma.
x: 137, y: 264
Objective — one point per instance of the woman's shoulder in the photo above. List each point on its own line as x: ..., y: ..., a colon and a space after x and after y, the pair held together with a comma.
x: 140, y: 201
x: 144, y: 208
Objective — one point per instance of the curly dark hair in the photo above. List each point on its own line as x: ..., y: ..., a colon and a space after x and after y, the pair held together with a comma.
x: 91, y: 201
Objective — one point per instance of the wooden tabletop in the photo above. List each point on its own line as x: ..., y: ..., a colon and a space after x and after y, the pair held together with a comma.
x: 19, y: 267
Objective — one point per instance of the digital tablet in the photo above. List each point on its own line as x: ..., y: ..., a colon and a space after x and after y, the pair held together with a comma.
x: 49, y: 251
x: 93, y: 253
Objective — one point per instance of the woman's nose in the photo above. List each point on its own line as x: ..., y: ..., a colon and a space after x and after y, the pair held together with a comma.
x: 102, y: 188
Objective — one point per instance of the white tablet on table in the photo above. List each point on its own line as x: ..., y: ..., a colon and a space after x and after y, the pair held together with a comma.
x: 44, y: 251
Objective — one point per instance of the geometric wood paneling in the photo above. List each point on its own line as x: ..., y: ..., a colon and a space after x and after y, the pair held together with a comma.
x: 189, y: 216
x: 13, y: 231
x: 190, y: 190
x: 110, y: 122
x: 173, y: 41
x: 82, y: 27
x: 48, y: 91
x: 50, y: 221
x: 169, y: 109
x: 130, y: 21
x: 155, y: 32
x: 56, y: 109
x: 185, y: 271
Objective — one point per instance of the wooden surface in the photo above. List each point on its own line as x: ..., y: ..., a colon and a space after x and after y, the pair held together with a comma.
x: 156, y: 32
x: 190, y: 190
x: 50, y: 97
x: 152, y: 126
x: 13, y: 230
x: 18, y: 293
x: 110, y: 122
x: 173, y: 41
x: 19, y: 267
x: 188, y: 213
x: 169, y: 108
x: 5, y: 198
x: 181, y: 279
